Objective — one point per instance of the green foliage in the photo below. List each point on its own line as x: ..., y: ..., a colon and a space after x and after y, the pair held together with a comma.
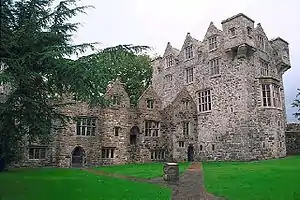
x: 128, y: 63
x: 143, y: 170
x: 296, y: 103
x: 259, y: 180
x: 71, y: 184
x: 36, y: 36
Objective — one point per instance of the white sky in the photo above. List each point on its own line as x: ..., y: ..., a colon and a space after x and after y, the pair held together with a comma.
x: 155, y: 22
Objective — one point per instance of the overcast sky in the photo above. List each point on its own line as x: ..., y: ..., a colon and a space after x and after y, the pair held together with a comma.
x: 155, y: 22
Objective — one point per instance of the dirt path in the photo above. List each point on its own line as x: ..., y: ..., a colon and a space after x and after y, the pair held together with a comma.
x: 189, y: 186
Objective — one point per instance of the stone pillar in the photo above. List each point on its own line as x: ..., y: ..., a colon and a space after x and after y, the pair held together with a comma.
x: 171, y: 172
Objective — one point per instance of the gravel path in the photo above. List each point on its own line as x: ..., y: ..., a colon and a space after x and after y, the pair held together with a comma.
x: 189, y: 186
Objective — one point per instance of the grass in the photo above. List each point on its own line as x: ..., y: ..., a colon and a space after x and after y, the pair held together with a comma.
x: 143, y: 170
x: 261, y: 180
x: 73, y: 184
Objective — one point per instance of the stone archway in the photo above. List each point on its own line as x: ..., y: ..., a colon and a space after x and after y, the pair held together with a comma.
x: 134, y: 131
x: 190, y: 153
x: 78, y: 156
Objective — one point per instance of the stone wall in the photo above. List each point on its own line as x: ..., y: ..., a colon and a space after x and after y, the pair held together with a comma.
x: 292, y: 135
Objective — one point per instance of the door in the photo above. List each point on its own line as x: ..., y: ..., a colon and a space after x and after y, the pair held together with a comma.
x: 190, y: 153
x: 78, y: 157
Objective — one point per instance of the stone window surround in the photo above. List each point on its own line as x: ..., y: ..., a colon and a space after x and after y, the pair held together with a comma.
x: 249, y: 31
x: 232, y: 32
x: 181, y: 144
x: 86, y: 123
x: 116, y: 100
x: 36, y: 152
x: 189, y: 52
x: 189, y: 75
x: 264, y: 67
x: 185, y: 104
x: 214, y: 66
x: 108, y: 152
x: 207, y: 100
x: 261, y: 42
x: 212, y: 42
x: 201, y: 147
x: 150, y: 103
x: 151, y: 128
x: 117, y: 130
x: 157, y: 154
x: 272, y: 93
x: 168, y: 78
x: 186, y: 127
x: 169, y: 60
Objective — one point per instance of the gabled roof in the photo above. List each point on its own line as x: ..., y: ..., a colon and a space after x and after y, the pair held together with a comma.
x: 170, y: 50
x: 260, y: 30
x: 211, y: 30
x: 149, y: 93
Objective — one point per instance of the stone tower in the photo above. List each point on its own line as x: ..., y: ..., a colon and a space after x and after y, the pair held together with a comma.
x: 235, y: 77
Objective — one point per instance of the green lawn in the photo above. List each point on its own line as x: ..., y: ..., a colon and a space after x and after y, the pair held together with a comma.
x: 143, y: 170
x: 73, y: 184
x: 262, y: 180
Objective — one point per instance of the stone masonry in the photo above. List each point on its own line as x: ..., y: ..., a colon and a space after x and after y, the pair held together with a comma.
x: 221, y: 98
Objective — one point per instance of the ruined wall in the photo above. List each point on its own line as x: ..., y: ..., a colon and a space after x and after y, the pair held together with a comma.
x: 292, y: 135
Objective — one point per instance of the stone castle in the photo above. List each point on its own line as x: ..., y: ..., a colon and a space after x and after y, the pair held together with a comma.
x: 221, y: 98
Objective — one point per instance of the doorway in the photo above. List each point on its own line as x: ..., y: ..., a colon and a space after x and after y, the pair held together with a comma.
x: 190, y: 153
x: 78, y: 157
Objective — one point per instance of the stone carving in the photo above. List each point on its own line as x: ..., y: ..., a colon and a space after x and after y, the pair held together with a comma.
x: 171, y: 172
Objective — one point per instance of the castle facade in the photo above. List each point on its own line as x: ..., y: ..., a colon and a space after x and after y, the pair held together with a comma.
x: 221, y: 98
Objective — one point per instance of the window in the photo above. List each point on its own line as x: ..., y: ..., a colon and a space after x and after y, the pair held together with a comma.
x: 186, y: 104
x: 201, y: 147
x: 108, y: 153
x: 170, y: 60
x: 189, y: 75
x: 214, y: 66
x: 261, y: 42
x: 212, y: 43
x: 116, y: 130
x: 212, y: 147
x: 151, y: 128
x: 168, y: 78
x: 271, y: 95
x: 189, y: 52
x: 37, y: 153
x: 204, y: 98
x: 157, y: 154
x: 264, y: 68
x: 249, y: 30
x: 232, y: 32
x: 185, y: 128
x: 276, y: 96
x: 86, y: 126
x: 181, y: 144
x: 116, y: 100
x: 150, y: 103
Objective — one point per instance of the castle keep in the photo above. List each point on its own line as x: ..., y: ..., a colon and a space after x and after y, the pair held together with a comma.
x: 221, y: 98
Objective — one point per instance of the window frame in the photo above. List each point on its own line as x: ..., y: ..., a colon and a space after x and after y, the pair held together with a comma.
x: 189, y: 51
x: 264, y: 68
x: 117, y: 131
x: 108, y: 153
x: 186, y: 128
x: 214, y: 65
x: 205, y: 100
x: 212, y: 43
x: 150, y: 103
x: 181, y: 144
x: 189, y: 75
x: 158, y: 154
x: 152, y: 128
x: 39, y: 154
x: 270, y: 95
x: 82, y: 124
x: 170, y: 60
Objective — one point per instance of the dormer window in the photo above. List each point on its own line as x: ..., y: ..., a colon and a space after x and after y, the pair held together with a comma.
x: 232, y: 32
x: 261, y: 42
x: 150, y: 103
x: 116, y: 100
x: 189, y: 52
x: 212, y: 41
x: 170, y: 60
x: 264, y: 68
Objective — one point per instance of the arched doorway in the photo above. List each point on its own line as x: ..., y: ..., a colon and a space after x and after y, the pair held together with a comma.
x: 134, y: 131
x: 190, y: 153
x: 78, y: 156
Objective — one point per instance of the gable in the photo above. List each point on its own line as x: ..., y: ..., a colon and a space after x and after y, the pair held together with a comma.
x: 149, y: 95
